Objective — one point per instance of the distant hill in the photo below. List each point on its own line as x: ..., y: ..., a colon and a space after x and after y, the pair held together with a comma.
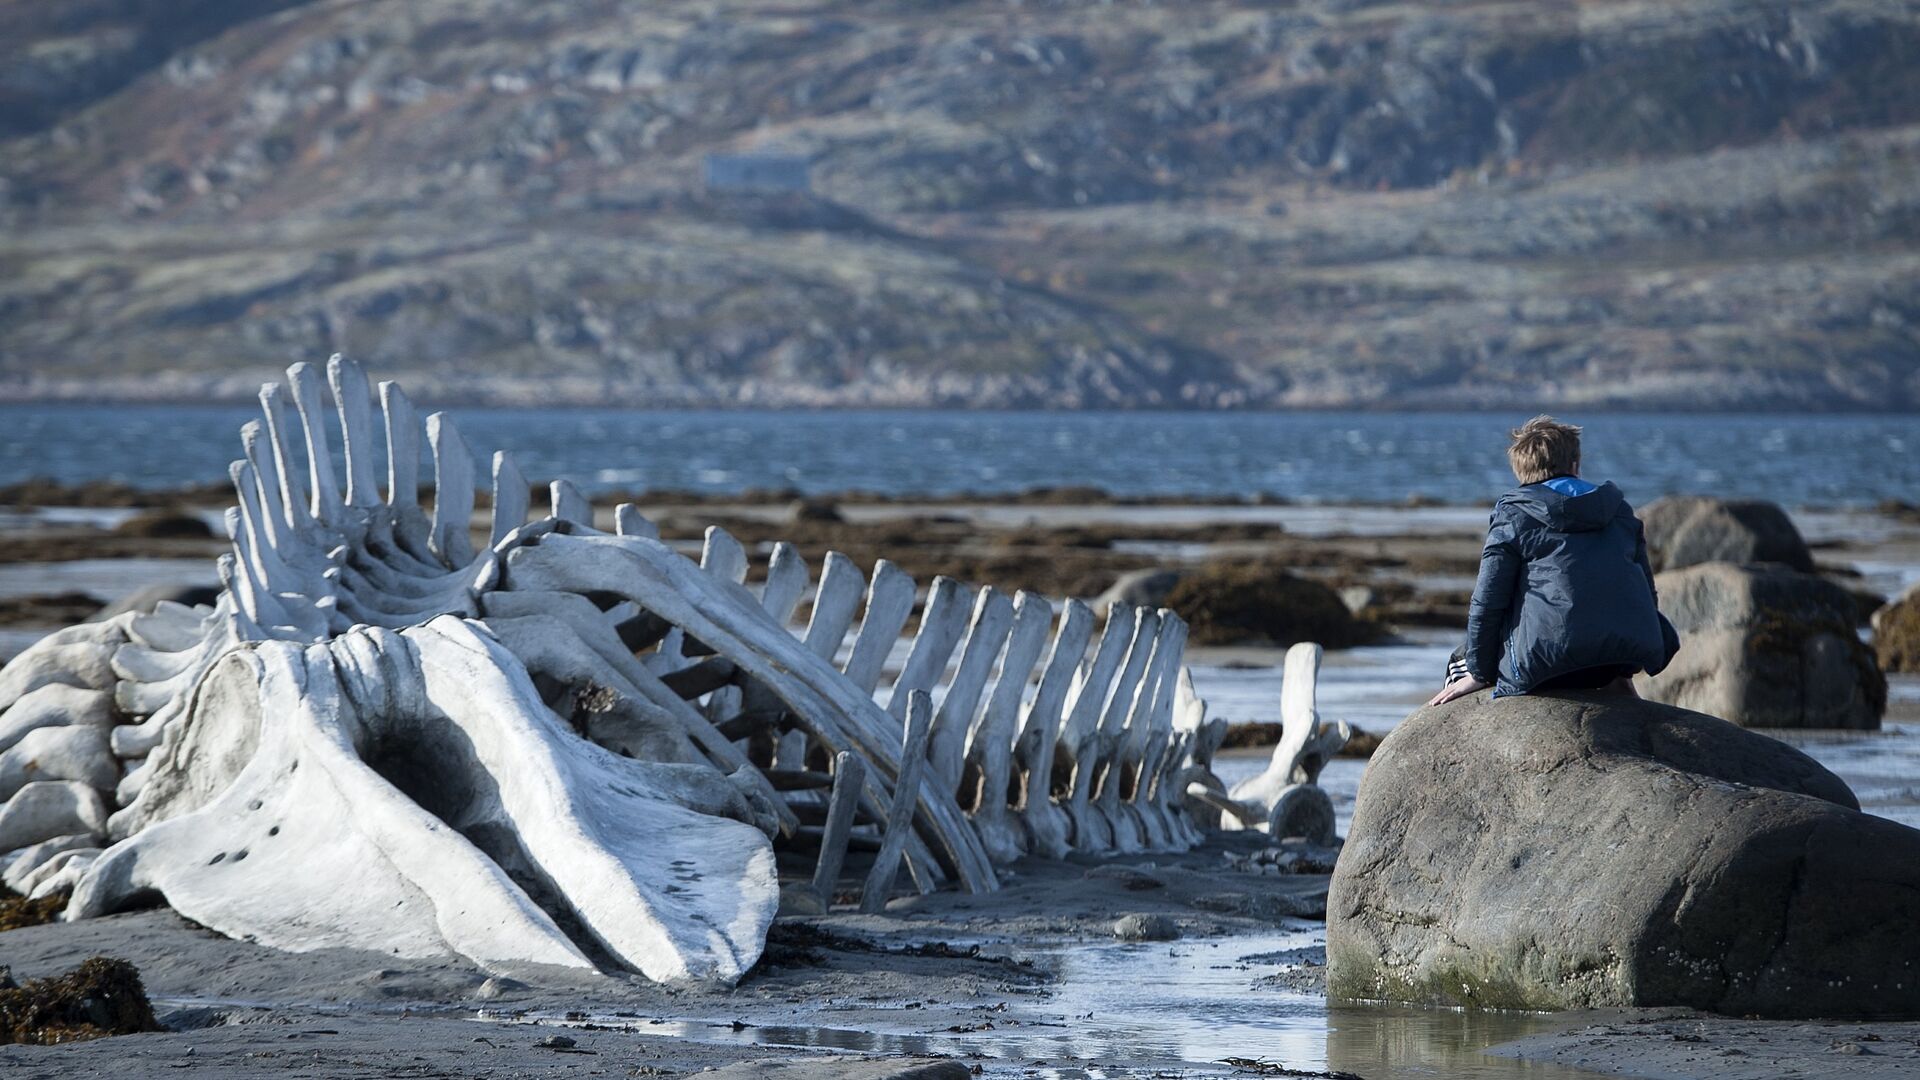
x: 1635, y: 203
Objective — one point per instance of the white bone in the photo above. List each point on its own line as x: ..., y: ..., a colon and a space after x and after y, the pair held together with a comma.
x: 276, y: 674
x: 452, y: 492
x: 849, y: 776
x: 59, y: 753
x: 990, y: 743
x: 1047, y: 825
x: 834, y: 604
x: 723, y: 557
x: 293, y: 491
x: 1304, y: 745
x: 169, y: 626
x: 17, y: 866
x: 567, y: 504
x: 403, y: 447
x: 509, y: 498
x: 786, y: 583
x: 44, y: 809
x: 913, y: 758
x: 941, y: 622
x: 244, y: 859
x: 304, y: 382
x: 55, y: 705
x: 629, y: 521
x: 272, y: 516
x: 889, y: 604
x: 986, y: 635
x: 66, y: 872
x: 85, y: 664
x: 1126, y: 715
x: 354, y: 400
x: 653, y: 576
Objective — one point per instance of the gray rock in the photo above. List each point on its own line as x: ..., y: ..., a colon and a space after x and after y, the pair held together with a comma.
x: 148, y: 598
x: 498, y: 986
x: 1686, y: 530
x: 825, y: 511
x: 1764, y: 646
x: 1304, y: 811
x: 1130, y: 878
x: 1270, y: 905
x: 1145, y: 928
x: 1590, y: 850
x: 1140, y: 588
x: 800, y: 899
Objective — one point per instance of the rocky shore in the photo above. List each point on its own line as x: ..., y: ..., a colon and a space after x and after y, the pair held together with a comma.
x: 1048, y: 977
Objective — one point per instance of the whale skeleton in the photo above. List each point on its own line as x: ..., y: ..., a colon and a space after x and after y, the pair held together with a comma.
x: 562, y: 745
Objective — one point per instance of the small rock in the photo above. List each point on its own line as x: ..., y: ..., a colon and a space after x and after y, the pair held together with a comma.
x: 165, y: 524
x: 498, y: 986
x: 555, y: 1042
x: 1140, y: 588
x: 1131, y: 878
x: 800, y: 899
x: 1145, y: 928
x: 1852, y: 1048
x: 818, y: 510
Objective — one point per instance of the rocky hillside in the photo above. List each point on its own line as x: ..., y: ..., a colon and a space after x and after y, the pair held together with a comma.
x: 1705, y: 203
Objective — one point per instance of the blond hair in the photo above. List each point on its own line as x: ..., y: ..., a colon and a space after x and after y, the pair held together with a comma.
x: 1544, y: 448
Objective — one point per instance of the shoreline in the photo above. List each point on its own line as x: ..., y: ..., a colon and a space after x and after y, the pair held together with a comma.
x: 1050, y: 992
x: 47, y: 493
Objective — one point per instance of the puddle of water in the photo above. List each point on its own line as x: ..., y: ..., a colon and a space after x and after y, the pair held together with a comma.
x: 1118, y: 1009
x: 1882, y: 767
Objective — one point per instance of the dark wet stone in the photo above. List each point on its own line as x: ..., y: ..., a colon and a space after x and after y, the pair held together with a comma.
x: 1587, y: 850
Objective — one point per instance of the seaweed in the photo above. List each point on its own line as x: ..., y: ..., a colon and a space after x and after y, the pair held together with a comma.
x: 101, y: 997
x: 17, y: 911
x: 1226, y: 603
x: 1896, y: 637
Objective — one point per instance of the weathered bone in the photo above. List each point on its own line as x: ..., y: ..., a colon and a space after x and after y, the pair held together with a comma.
x: 986, y: 634
x: 1287, y: 794
x: 849, y: 776
x: 1305, y: 746
x: 1049, y: 830
x: 453, y: 492
x: 360, y: 650
x: 990, y: 744
x: 435, y: 878
x: 913, y: 760
x: 889, y: 604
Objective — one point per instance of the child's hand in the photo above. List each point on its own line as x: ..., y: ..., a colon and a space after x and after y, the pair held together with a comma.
x: 1458, y: 688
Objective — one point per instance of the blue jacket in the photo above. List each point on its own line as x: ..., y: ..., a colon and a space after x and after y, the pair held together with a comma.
x: 1564, y: 585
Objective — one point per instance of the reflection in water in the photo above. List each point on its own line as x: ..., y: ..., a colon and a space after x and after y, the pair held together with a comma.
x: 1393, y: 1042
x: 1117, y: 1010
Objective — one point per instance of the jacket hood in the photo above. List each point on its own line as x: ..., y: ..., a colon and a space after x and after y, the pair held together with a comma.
x: 1567, y: 503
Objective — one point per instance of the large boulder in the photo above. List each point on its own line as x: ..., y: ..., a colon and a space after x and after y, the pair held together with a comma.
x: 1592, y: 850
x: 1896, y: 633
x: 1764, y: 646
x: 1686, y: 530
x: 1233, y: 602
x: 1140, y: 588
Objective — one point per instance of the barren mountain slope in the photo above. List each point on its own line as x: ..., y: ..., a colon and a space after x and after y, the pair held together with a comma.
x: 1704, y: 202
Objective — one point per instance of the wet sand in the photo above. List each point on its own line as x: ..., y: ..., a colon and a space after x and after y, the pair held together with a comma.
x: 987, y: 980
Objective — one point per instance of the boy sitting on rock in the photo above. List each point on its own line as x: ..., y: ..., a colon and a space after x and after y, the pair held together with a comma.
x: 1565, y: 597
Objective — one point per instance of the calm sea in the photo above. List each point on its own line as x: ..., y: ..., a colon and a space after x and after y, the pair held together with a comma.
x: 1312, y: 457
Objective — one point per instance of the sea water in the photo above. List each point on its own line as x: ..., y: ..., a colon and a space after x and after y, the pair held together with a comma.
x: 1341, y: 457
